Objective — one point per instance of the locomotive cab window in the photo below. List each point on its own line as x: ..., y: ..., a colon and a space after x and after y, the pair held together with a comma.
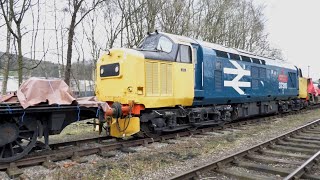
x: 157, y: 42
x: 164, y: 44
x: 184, y: 54
x: 149, y: 43
x: 292, y: 80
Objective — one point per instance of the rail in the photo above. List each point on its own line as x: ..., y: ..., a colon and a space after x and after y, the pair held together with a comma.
x: 219, y: 165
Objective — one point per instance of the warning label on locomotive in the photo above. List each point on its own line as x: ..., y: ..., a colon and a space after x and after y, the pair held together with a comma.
x: 283, y: 78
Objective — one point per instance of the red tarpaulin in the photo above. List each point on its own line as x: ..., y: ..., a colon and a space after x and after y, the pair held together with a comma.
x: 52, y: 91
x: 317, y: 90
x: 311, y: 89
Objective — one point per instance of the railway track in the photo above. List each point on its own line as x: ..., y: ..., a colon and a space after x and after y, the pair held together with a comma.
x: 73, y: 150
x: 293, y: 155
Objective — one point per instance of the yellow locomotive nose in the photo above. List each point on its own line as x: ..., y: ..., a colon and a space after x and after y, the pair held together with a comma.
x: 120, y: 75
x: 120, y: 78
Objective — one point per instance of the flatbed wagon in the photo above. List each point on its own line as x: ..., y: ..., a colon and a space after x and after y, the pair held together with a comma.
x: 21, y: 126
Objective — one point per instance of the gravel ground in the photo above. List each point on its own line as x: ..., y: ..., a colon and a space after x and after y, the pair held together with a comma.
x: 75, y: 131
x: 239, y: 169
x: 315, y: 171
x: 166, y: 159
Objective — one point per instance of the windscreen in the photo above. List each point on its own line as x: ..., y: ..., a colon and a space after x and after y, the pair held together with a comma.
x: 156, y: 42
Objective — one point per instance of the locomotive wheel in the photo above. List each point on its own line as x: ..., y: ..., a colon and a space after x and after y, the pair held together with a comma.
x: 16, y: 141
x: 147, y: 131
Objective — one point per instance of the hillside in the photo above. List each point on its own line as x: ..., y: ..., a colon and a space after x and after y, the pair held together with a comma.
x: 35, y: 68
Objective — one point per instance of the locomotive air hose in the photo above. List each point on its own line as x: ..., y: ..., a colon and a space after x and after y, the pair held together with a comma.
x: 124, y: 122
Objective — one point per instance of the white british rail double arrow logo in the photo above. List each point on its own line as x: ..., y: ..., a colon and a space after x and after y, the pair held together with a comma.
x: 236, y: 83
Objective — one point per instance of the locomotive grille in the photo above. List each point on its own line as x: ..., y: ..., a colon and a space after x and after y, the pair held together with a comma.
x: 155, y: 79
x: 163, y: 78
x: 151, y: 78
x: 158, y: 79
x: 166, y: 79
x: 169, y: 79
x: 218, y: 83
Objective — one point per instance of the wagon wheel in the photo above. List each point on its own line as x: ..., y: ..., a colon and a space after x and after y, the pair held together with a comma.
x: 16, y: 141
x: 147, y: 131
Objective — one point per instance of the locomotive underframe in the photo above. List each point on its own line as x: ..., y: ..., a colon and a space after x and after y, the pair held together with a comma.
x: 164, y: 120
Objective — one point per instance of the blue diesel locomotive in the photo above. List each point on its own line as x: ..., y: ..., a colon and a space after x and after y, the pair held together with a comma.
x: 172, y: 82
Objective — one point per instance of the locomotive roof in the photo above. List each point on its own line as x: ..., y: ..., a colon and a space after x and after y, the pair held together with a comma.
x: 269, y: 61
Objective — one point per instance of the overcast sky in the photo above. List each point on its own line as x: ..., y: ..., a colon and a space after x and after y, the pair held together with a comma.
x: 294, y: 27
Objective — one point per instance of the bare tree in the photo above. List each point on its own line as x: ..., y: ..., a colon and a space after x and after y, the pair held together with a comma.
x: 134, y: 25
x: 113, y: 25
x: 35, y: 29
x: 153, y: 8
x: 234, y: 23
x: 57, y: 37
x: 91, y: 24
x: 175, y: 17
x: 17, y: 11
x: 77, y: 6
x: 7, y: 56
x: 94, y: 48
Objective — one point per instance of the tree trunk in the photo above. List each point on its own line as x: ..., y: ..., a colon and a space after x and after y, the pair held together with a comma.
x: 6, y: 59
x: 20, y: 57
x: 6, y: 63
x: 69, y: 51
x: 62, y: 51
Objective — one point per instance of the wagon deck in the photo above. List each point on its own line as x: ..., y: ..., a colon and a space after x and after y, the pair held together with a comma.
x: 39, y: 108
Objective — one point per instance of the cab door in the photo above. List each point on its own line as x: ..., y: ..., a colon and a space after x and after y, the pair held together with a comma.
x: 198, y: 72
x: 184, y: 75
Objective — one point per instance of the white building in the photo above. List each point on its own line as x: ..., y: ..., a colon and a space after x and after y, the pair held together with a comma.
x: 12, y: 84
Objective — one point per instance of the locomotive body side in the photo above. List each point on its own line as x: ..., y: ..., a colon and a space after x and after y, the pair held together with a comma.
x: 229, y: 81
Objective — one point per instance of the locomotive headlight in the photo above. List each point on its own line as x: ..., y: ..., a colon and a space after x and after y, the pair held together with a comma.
x: 101, y: 71
x: 116, y: 69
